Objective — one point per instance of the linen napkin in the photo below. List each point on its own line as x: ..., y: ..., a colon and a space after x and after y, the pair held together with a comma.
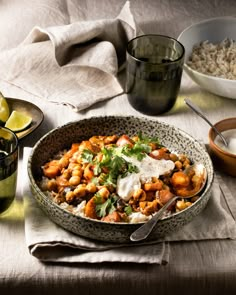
x: 74, y: 64
x: 49, y: 242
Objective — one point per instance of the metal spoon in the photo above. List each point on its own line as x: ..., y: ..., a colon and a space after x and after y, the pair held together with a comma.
x: 198, y: 111
x: 144, y: 230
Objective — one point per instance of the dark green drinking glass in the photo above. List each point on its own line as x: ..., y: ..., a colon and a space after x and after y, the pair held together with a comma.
x: 8, y: 167
x: 153, y: 73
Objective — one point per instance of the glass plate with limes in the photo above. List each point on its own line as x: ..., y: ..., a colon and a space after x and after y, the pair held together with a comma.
x: 20, y: 116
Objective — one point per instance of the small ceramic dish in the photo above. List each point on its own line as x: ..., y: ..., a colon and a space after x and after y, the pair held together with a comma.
x: 222, y: 158
x: 29, y: 109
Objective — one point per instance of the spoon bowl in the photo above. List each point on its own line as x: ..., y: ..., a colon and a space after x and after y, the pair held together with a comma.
x: 144, y: 231
x: 199, y: 112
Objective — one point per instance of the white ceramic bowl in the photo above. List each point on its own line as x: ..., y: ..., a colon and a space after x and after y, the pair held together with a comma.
x: 214, y: 30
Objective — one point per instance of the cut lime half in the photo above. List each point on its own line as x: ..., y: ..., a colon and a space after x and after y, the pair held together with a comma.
x: 4, y: 109
x: 18, y: 121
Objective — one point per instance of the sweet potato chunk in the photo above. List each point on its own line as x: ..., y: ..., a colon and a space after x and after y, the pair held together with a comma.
x: 90, y: 209
x: 112, y: 217
x: 180, y: 179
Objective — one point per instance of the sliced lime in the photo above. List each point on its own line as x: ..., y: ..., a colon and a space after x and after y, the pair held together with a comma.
x: 4, y: 109
x: 18, y: 121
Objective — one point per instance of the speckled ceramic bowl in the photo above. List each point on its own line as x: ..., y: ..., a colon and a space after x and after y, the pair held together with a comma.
x: 62, y: 137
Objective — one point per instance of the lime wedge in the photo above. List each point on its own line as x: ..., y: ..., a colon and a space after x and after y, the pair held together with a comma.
x: 18, y: 121
x: 4, y: 109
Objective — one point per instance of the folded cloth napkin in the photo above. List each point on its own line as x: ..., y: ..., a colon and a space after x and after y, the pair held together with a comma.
x: 74, y: 64
x: 49, y: 242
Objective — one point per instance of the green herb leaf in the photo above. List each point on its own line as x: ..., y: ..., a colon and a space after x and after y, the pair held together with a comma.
x: 146, y: 139
x: 139, y: 150
x: 87, y: 156
x: 106, y: 208
x: 128, y: 209
x: 98, y: 199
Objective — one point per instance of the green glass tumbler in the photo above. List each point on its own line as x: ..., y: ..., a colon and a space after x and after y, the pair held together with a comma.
x: 154, y: 69
x: 8, y: 167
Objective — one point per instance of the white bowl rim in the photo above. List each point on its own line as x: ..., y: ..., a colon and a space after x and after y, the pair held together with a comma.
x: 208, y: 76
x: 205, y: 21
x: 209, y: 20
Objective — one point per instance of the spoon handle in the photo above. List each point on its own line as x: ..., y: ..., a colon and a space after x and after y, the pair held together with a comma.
x: 197, y: 110
x: 144, y: 230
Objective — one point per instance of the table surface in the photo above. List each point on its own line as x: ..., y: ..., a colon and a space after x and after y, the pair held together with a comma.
x: 195, y: 267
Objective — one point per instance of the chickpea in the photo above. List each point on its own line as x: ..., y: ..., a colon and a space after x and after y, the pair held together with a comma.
x: 173, y: 157
x: 140, y: 195
x: 178, y: 165
x: 97, y: 140
x: 77, y: 171
x: 52, y: 185
x: 79, y: 160
x: 74, y: 180
x: 181, y: 205
x: 182, y: 158
x: 153, y: 186
x: 80, y: 191
x: 72, y: 165
x: 104, y: 192
x: 150, y: 208
x: 64, y: 162
x: 66, y: 174
x: 186, y: 163
x: 110, y: 139
x: 91, y: 188
x: 70, y: 196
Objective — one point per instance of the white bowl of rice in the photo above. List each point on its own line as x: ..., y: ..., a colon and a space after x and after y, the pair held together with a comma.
x: 210, y: 55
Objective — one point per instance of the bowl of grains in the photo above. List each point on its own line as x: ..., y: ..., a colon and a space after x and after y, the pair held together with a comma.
x: 210, y: 55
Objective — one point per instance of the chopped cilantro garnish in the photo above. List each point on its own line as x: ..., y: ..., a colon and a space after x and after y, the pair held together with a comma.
x: 87, y: 156
x: 128, y: 209
x: 115, y: 165
x: 130, y: 169
x: 146, y: 139
x: 107, y: 207
x: 139, y: 150
x: 113, y: 162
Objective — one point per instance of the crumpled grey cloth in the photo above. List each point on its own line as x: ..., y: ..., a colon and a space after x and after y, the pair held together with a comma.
x: 74, y: 64
x: 49, y: 242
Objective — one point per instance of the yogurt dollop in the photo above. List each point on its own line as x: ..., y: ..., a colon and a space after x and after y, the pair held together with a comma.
x: 230, y: 136
x: 148, y: 168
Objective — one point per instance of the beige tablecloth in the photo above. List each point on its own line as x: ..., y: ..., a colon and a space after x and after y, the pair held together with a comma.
x: 199, y: 267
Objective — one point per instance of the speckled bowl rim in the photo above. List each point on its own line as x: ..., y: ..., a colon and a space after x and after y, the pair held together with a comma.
x: 206, y: 190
